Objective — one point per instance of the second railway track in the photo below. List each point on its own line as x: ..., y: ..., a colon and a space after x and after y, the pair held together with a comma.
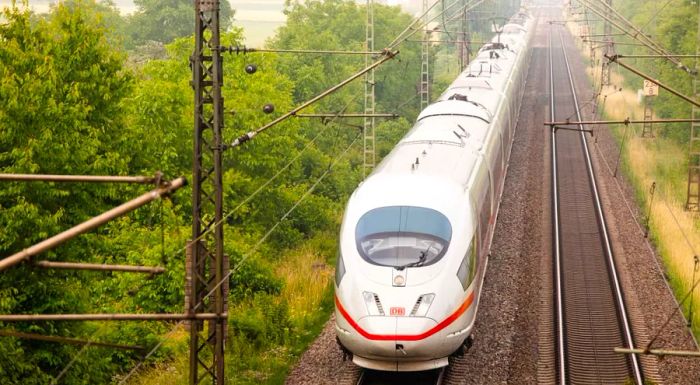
x: 590, y: 314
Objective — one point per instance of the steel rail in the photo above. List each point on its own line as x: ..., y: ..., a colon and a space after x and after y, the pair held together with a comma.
x: 557, y: 246
x: 349, y: 115
x: 67, y: 340
x: 99, y: 267
x: 245, y: 50
x: 79, y: 178
x: 91, y: 224
x: 110, y: 317
x: 660, y: 352
x: 448, y: 41
x: 614, y: 43
x: 601, y: 35
x: 622, y: 309
x: 655, y: 56
x: 625, y: 121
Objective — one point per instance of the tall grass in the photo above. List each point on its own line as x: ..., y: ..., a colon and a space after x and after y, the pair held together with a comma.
x: 271, y: 329
x: 674, y: 231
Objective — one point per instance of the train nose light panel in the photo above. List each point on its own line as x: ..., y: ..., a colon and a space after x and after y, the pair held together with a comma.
x: 374, y: 306
x: 420, y: 309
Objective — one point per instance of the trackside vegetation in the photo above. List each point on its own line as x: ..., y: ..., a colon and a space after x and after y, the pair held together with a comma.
x: 662, y: 160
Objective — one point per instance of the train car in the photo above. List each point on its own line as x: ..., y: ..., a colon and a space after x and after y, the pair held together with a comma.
x: 416, y: 233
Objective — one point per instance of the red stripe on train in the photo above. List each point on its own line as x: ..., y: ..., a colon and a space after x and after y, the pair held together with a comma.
x: 406, y: 337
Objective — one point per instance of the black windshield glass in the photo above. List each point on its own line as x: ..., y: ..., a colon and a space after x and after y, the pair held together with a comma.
x: 403, y: 236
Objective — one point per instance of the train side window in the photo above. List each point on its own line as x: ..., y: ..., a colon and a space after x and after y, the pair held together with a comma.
x: 485, y: 212
x: 339, y: 268
x: 467, y: 269
x: 472, y: 259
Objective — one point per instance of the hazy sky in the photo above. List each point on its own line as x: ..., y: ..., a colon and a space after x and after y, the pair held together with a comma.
x: 259, y: 18
x: 264, y: 10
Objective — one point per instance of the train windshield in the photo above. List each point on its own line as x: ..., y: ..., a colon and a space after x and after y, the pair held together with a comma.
x: 403, y: 236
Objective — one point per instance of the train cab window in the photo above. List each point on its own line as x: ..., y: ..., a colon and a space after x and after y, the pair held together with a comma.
x: 403, y: 236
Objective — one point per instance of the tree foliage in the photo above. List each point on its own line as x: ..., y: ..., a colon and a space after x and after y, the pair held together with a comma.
x: 166, y: 20
x: 61, y: 86
x: 675, y: 28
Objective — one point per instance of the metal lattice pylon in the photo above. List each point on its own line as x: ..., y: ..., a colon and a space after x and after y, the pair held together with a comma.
x: 609, y: 48
x: 464, y: 48
x: 369, y: 122
x: 207, y: 288
x: 425, y: 56
x: 693, y: 199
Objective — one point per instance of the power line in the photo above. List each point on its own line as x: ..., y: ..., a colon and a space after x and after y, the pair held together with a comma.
x: 248, y: 198
x: 248, y: 254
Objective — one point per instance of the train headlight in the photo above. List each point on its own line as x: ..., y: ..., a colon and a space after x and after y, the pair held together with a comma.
x: 374, y: 306
x: 420, y: 309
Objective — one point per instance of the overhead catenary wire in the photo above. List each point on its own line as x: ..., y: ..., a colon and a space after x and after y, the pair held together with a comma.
x: 624, y: 25
x: 645, y: 239
x: 245, y: 50
x: 387, y: 51
x: 248, y: 254
x: 400, y: 39
x: 233, y: 211
x: 388, y: 54
x: 653, y: 17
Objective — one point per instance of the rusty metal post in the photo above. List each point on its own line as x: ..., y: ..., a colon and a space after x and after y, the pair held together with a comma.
x: 425, y: 61
x: 207, y: 268
x: 68, y: 340
x: 109, y: 317
x: 82, y: 178
x: 91, y: 224
x: 692, y: 202
x: 609, y: 48
x: 647, y: 220
x: 614, y: 58
x: 100, y: 267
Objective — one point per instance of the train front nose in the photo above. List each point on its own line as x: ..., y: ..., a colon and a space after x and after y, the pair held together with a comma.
x: 397, y: 343
x: 394, y: 338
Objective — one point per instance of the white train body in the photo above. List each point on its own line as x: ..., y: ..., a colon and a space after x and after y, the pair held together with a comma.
x: 416, y: 233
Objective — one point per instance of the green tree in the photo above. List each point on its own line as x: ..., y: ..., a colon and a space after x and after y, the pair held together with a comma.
x: 102, y: 13
x: 340, y: 25
x: 61, y: 84
x: 166, y: 20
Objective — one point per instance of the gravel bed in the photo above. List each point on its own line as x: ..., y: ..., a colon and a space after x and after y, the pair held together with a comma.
x: 646, y: 291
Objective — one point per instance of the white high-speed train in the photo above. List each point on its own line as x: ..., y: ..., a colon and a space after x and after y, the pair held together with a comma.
x: 416, y: 233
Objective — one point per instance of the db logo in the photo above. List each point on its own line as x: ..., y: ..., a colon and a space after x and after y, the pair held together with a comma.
x: 397, y: 311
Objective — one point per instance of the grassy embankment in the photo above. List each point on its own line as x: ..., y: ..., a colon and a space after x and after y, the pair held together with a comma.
x: 673, y: 230
x: 302, y: 307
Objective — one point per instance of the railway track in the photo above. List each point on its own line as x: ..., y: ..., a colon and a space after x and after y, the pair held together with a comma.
x: 590, y: 314
x: 429, y: 377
